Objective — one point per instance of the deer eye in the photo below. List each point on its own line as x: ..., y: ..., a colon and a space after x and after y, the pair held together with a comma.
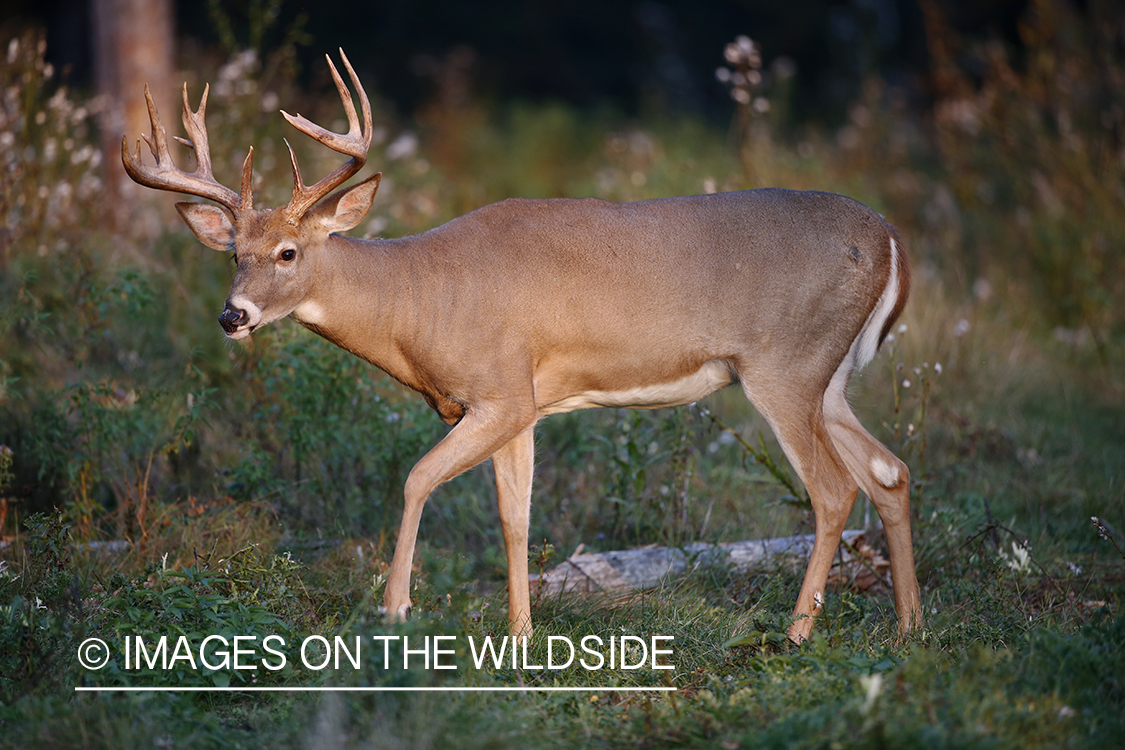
x: 288, y: 254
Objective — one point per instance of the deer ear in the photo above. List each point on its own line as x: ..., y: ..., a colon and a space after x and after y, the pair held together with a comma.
x: 209, y: 223
x: 345, y: 209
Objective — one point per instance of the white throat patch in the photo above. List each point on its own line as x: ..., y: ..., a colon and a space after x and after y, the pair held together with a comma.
x: 310, y: 312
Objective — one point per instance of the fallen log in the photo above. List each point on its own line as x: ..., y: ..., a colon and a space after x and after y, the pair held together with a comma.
x: 622, y: 571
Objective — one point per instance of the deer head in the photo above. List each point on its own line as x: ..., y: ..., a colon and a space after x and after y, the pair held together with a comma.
x: 276, y: 250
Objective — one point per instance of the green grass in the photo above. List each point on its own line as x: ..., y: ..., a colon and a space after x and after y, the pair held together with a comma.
x: 987, y: 669
x: 259, y: 486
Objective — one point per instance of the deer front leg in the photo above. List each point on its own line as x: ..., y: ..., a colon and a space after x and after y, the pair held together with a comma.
x: 514, y: 465
x: 481, y: 432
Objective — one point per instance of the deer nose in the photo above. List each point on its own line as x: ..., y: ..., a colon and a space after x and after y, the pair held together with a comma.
x: 232, y: 319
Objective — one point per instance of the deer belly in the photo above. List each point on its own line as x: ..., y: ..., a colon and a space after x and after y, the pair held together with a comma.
x: 704, y: 381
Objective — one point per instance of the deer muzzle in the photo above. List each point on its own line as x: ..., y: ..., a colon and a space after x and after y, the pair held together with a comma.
x: 233, y: 318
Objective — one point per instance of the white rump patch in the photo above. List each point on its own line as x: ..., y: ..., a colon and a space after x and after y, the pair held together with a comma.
x: 885, y: 473
x: 867, y: 343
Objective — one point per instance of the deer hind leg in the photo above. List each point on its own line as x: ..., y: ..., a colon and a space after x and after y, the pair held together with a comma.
x: 886, y: 480
x: 477, y: 436
x: 514, y: 465
x: 800, y: 428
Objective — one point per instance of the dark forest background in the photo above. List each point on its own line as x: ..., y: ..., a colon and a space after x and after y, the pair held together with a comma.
x: 635, y: 57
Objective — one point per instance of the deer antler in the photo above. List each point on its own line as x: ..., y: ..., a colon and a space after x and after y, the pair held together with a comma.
x: 354, y: 143
x: 167, y: 176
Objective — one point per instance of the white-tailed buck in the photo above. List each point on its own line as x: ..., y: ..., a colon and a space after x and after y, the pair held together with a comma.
x: 526, y: 308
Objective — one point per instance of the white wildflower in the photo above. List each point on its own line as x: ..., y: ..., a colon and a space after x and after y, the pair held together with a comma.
x: 270, y: 101
x: 872, y: 685
x: 1020, y: 561
x: 406, y: 145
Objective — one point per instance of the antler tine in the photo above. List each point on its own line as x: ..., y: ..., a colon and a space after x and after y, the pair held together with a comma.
x: 159, y: 135
x: 247, y: 197
x: 355, y: 143
x: 166, y: 175
x: 197, y: 131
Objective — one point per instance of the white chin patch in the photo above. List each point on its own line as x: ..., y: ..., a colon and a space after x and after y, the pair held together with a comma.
x: 241, y: 333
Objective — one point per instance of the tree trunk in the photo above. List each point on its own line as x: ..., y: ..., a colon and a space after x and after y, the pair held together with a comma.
x: 133, y: 45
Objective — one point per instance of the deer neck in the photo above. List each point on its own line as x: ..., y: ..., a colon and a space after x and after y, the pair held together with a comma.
x: 369, y: 298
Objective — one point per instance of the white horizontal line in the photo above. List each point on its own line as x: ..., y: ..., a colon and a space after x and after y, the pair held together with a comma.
x: 291, y: 689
